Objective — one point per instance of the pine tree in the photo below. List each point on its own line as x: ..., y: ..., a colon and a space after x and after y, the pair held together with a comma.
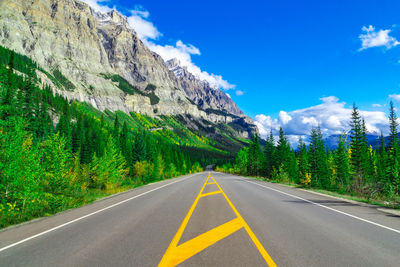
x: 358, y: 149
x: 7, y: 100
x: 242, y: 160
x: 383, y: 180
x: 318, y: 160
x: 302, y: 159
x: 116, y: 128
x: 270, y: 152
x: 124, y: 144
x: 139, y: 148
x: 255, y: 157
x: 394, y: 150
x: 342, y: 167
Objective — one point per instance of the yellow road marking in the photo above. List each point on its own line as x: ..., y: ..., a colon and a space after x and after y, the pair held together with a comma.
x: 192, y: 247
x: 253, y: 237
x: 177, y: 254
x: 211, y: 193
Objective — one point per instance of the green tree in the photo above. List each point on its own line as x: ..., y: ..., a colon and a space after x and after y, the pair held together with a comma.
x: 108, y: 171
x: 270, y: 154
x: 394, y: 153
x: 342, y: 165
x: 318, y: 160
x: 302, y: 159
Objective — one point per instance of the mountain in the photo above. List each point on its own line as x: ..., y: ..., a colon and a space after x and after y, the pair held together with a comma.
x: 332, y: 141
x: 98, y: 58
x: 201, y: 92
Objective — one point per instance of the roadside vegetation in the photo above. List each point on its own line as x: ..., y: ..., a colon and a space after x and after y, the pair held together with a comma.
x: 57, y: 154
x: 354, y: 168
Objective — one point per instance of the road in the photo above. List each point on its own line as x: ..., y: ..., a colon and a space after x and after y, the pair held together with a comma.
x: 208, y: 220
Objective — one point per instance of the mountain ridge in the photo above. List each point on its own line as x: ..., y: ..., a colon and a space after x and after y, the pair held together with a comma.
x: 103, y: 62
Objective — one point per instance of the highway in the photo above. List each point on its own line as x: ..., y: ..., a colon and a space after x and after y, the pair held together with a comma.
x: 208, y: 219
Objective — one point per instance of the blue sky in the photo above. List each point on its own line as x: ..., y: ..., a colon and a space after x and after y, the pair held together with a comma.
x: 284, y: 58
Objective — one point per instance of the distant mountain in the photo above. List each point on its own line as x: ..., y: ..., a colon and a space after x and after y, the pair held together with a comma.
x: 332, y: 141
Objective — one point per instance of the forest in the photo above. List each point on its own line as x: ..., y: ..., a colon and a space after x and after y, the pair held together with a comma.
x: 354, y: 168
x: 57, y: 154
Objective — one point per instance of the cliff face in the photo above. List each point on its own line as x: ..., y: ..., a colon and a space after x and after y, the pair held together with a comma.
x: 201, y: 92
x: 103, y: 62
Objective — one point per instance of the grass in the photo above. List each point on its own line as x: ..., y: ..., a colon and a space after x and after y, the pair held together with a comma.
x: 375, y: 202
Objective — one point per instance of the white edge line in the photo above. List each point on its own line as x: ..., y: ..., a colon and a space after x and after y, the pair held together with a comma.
x: 329, y: 208
x: 87, y: 215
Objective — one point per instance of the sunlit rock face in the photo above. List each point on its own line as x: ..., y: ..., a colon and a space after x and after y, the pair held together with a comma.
x: 88, y: 48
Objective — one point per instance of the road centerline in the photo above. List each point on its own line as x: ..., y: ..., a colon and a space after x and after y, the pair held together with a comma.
x: 175, y: 254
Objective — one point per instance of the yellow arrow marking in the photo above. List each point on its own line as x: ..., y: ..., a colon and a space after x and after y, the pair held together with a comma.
x: 177, y: 254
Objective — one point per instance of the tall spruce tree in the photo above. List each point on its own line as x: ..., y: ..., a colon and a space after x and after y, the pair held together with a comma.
x: 270, y: 154
x: 318, y: 160
x: 302, y: 159
x: 358, y: 149
x: 394, y: 150
x: 342, y: 165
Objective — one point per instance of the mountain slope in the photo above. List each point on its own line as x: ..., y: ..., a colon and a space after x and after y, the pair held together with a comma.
x: 201, y: 92
x: 100, y: 60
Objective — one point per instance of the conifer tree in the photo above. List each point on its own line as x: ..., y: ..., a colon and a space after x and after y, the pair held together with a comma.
x: 302, y: 159
x: 342, y: 167
x: 318, y: 160
x: 116, y: 128
x: 270, y: 152
x: 139, y: 148
x: 358, y: 149
x: 394, y: 150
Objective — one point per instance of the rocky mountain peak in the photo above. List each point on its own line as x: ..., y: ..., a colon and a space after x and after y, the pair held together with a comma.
x: 174, y: 65
x: 103, y: 62
x: 201, y: 92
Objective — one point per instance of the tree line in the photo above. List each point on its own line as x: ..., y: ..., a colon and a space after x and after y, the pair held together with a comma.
x: 354, y: 167
x: 55, y: 155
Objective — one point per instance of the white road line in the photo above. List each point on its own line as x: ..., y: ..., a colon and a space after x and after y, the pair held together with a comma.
x: 329, y: 208
x: 87, y: 215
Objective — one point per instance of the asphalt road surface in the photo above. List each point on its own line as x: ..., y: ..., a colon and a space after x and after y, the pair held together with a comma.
x: 209, y: 220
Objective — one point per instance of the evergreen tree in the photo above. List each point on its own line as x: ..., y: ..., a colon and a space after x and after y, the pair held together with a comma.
x: 358, y: 149
x: 139, y: 148
x: 270, y: 152
x: 116, y: 128
x: 255, y: 157
x: 302, y: 159
x: 318, y: 160
x: 342, y: 165
x: 394, y: 153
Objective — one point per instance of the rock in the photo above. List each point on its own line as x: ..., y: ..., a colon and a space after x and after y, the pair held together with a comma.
x: 96, y: 51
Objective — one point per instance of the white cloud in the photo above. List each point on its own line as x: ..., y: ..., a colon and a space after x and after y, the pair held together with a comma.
x: 96, y: 5
x: 395, y: 97
x: 376, y: 105
x: 265, y: 124
x: 239, y: 92
x: 228, y: 95
x: 333, y: 117
x: 148, y: 33
x: 144, y: 28
x: 372, y: 38
x: 183, y: 53
x: 284, y: 117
